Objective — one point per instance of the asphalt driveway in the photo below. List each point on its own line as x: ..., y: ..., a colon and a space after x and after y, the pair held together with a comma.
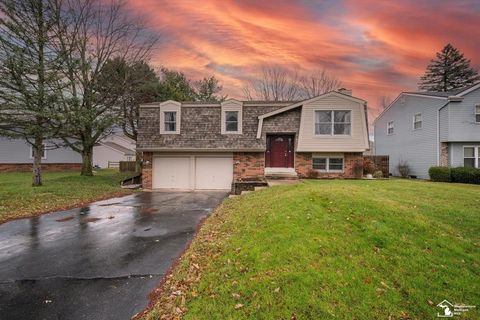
x: 97, y: 262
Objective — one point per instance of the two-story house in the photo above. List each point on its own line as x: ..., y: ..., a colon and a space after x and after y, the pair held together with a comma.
x: 428, y: 129
x: 195, y: 145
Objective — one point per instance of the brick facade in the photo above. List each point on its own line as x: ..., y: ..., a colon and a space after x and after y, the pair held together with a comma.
x: 304, y: 166
x: 147, y: 170
x: 444, y: 154
x: 25, y: 167
x: 248, y: 165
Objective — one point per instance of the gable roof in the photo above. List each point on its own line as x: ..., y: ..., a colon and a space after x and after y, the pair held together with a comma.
x: 445, y: 95
x: 118, y: 147
x: 300, y: 103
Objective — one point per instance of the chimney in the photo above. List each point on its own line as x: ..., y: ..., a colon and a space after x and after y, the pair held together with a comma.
x: 345, y: 91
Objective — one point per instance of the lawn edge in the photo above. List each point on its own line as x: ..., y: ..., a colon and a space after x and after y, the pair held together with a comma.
x: 81, y: 204
x: 161, y: 289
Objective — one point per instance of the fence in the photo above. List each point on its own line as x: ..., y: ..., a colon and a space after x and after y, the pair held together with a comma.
x: 381, y: 163
x: 127, y: 166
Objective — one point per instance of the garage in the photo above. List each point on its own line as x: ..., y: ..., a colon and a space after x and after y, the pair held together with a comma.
x: 193, y: 172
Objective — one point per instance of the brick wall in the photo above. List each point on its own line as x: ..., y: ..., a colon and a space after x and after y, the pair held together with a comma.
x: 444, y: 154
x: 248, y: 165
x: 303, y: 166
x: 25, y: 167
x: 147, y: 170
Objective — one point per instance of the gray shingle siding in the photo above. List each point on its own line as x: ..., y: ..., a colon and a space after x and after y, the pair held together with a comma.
x: 200, y: 128
x: 417, y: 147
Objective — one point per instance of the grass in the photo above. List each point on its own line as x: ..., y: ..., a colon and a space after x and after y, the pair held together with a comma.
x: 331, y: 250
x: 60, y: 190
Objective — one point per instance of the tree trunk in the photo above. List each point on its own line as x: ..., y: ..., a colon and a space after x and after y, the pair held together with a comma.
x: 138, y: 162
x: 37, y: 149
x: 87, y: 161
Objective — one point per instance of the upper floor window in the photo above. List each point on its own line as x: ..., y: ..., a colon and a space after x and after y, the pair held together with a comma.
x: 170, y: 121
x: 43, y: 151
x: 390, y: 127
x: 471, y: 157
x: 477, y: 113
x: 417, y: 121
x: 170, y: 117
x: 231, y: 116
x: 333, y: 122
x: 231, y: 121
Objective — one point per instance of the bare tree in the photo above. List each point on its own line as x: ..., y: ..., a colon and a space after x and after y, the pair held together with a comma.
x: 318, y: 83
x: 90, y: 33
x: 274, y: 84
x: 28, y: 74
x: 278, y: 84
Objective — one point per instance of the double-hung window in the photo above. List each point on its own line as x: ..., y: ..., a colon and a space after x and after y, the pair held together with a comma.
x: 390, y: 127
x: 477, y: 113
x: 333, y: 122
x: 471, y: 156
x: 170, y: 121
x: 417, y: 121
x: 328, y: 164
x: 231, y: 121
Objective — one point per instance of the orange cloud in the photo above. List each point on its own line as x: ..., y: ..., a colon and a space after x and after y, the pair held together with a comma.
x: 376, y: 48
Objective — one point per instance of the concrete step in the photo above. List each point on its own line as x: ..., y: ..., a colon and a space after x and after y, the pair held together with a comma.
x: 260, y: 188
x: 246, y: 192
x: 281, y: 176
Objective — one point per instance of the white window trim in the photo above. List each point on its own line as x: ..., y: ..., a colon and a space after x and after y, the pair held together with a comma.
x: 44, y: 151
x: 390, y: 125
x: 232, y: 105
x: 328, y: 157
x: 477, y: 112
x: 332, y: 134
x: 170, y: 106
x: 476, y: 154
x: 421, y: 121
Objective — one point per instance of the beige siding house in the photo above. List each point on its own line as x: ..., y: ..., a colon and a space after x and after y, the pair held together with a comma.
x: 216, y: 145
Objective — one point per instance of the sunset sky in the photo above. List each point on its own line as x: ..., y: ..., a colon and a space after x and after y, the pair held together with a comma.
x: 376, y: 48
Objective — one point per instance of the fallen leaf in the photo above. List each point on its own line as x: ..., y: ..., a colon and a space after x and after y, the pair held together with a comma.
x: 238, y: 306
x: 276, y: 290
x: 236, y: 295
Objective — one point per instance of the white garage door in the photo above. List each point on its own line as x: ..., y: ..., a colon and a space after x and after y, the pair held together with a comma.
x: 213, y: 173
x: 193, y: 172
x: 171, y: 172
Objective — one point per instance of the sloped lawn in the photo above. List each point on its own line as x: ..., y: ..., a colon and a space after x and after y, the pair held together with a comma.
x: 332, y: 250
x: 60, y: 190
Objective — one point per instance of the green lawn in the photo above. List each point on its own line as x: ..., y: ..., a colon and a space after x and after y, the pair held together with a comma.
x: 18, y: 199
x: 332, y: 250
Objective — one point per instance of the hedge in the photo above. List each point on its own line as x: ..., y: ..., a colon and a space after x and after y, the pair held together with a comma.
x: 440, y: 174
x: 466, y: 175
x: 459, y: 174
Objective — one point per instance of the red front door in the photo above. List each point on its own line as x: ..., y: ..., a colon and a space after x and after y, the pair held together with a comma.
x: 279, y: 151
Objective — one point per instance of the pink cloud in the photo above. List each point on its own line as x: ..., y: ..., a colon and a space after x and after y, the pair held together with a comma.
x: 375, y: 48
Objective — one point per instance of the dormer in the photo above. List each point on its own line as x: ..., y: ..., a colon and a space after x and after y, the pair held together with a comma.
x: 232, y: 118
x: 170, y: 115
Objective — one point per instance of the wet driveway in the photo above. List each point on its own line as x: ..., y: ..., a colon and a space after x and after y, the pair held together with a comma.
x: 97, y: 262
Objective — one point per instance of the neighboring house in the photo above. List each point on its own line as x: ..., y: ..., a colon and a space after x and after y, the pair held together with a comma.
x: 113, y: 149
x: 16, y: 154
x: 427, y: 129
x: 194, y: 145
